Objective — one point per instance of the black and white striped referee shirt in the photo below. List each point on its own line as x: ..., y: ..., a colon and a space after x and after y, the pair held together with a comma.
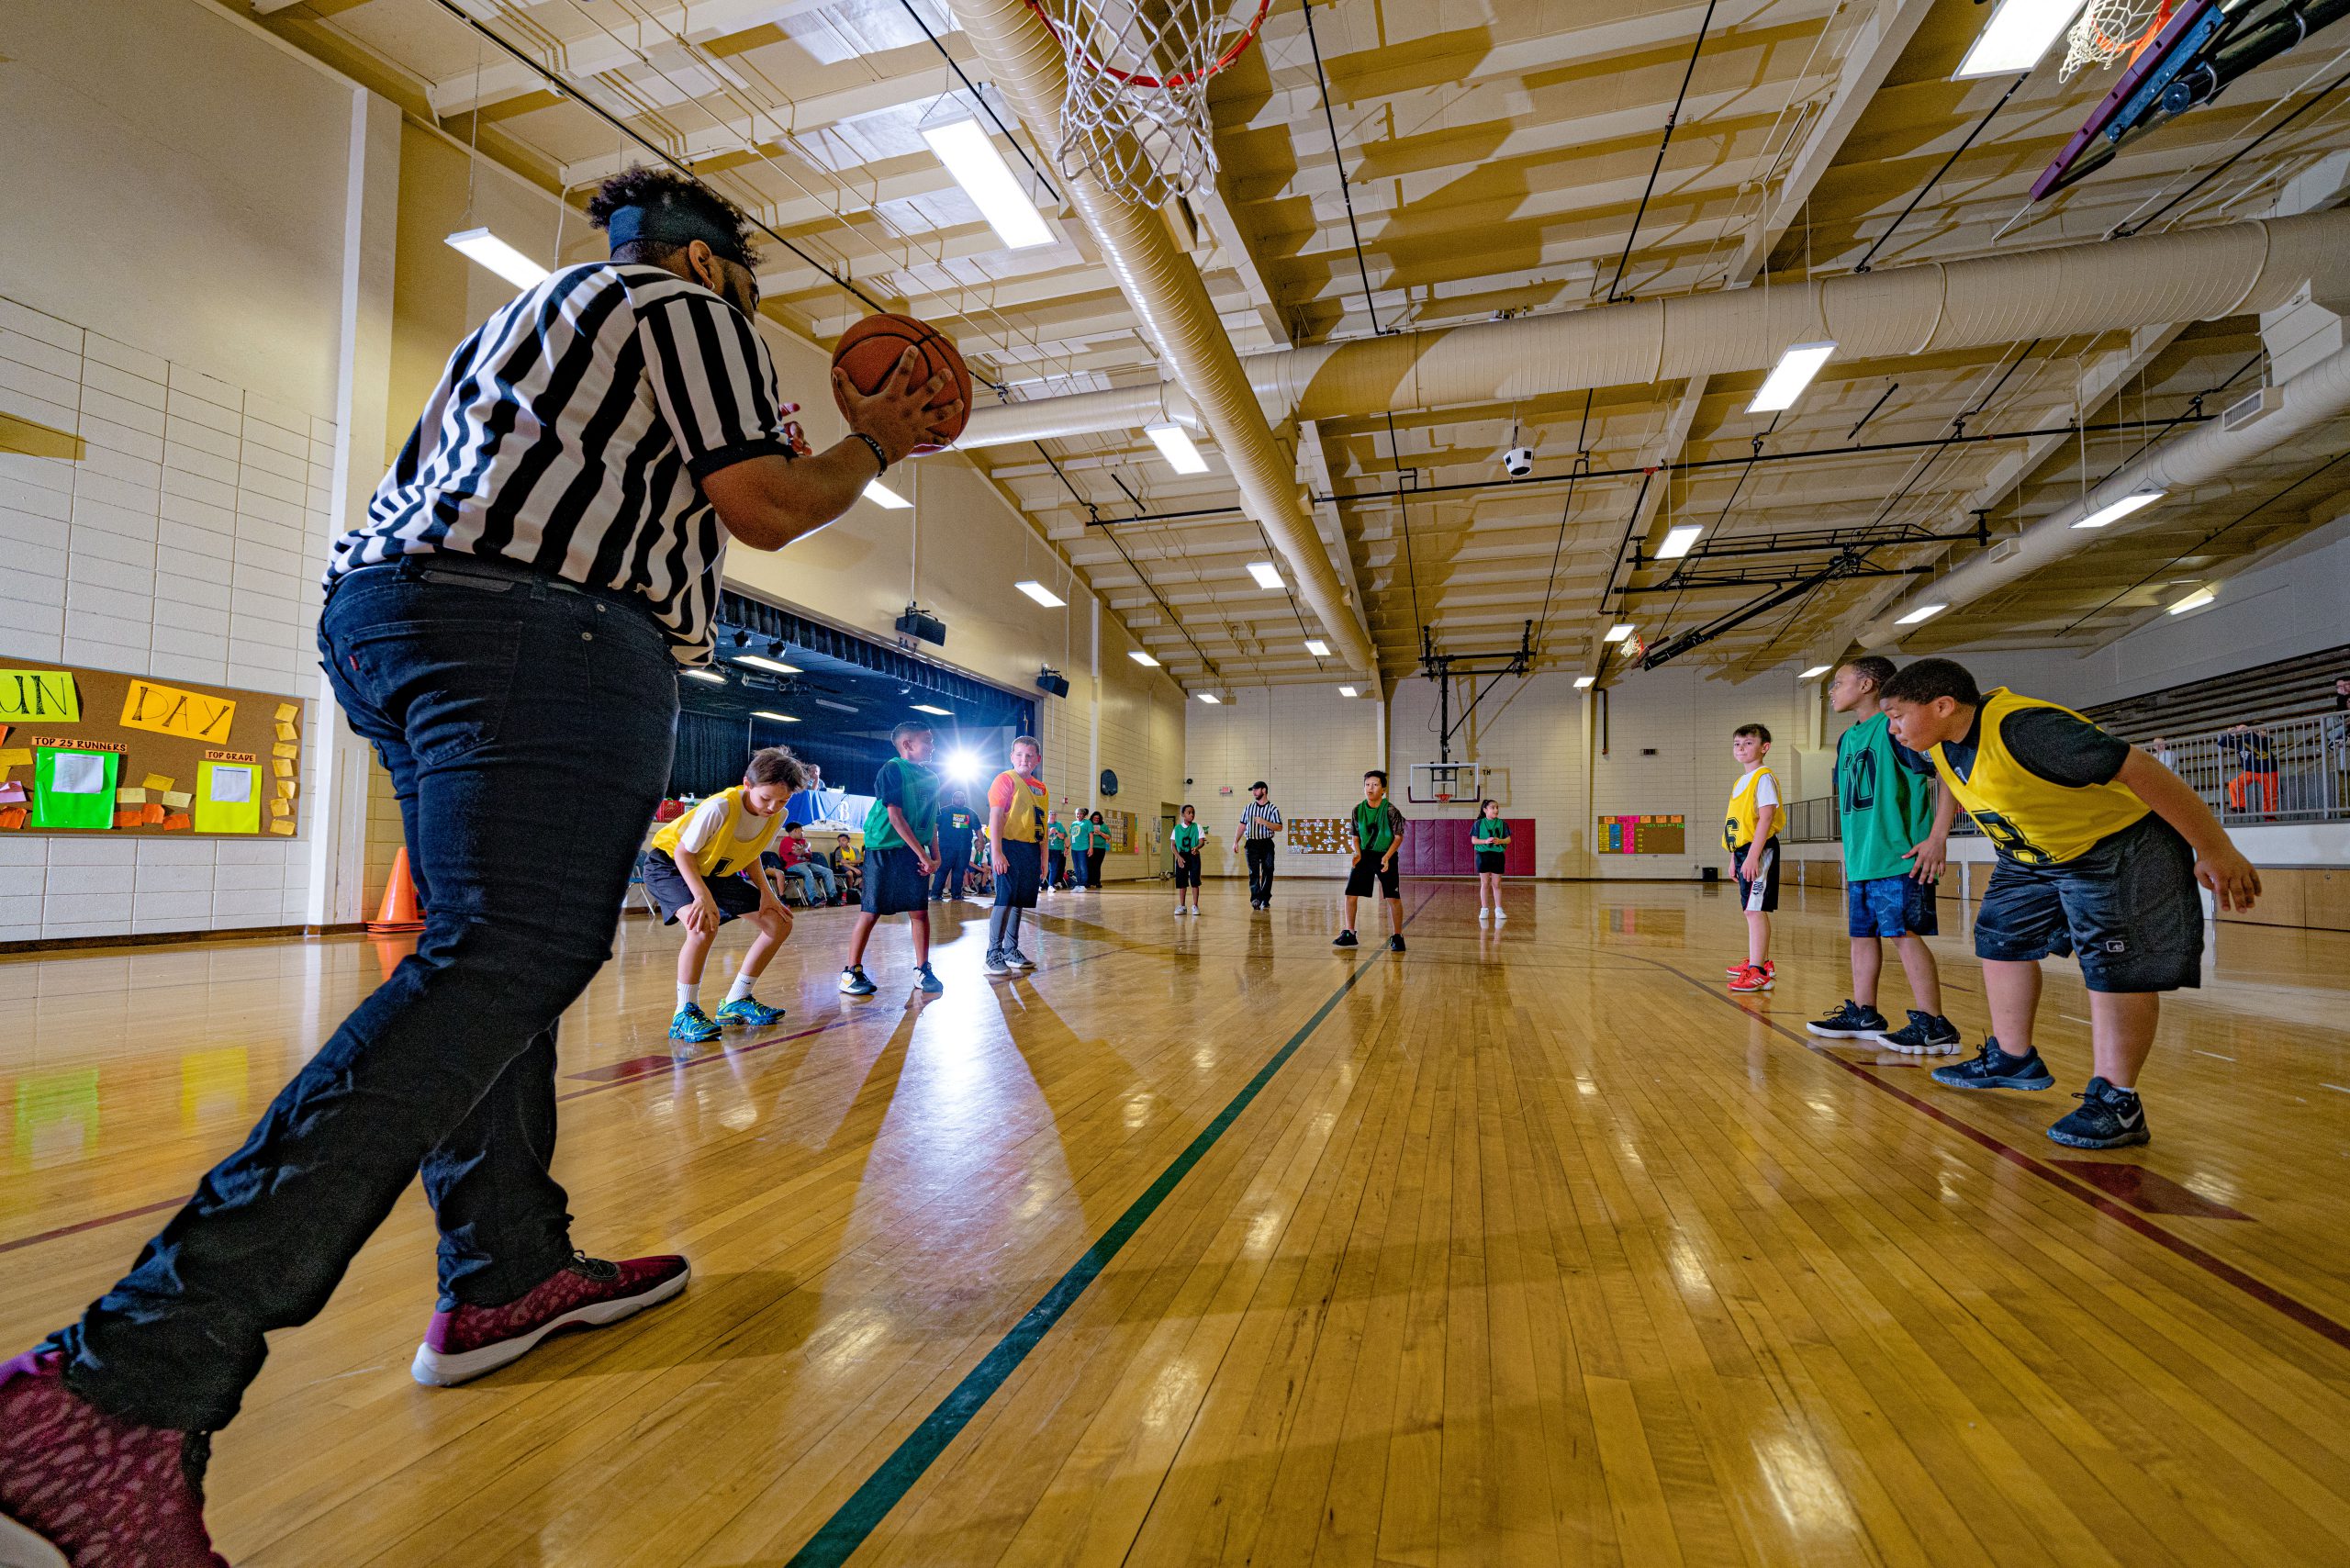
x: 568, y: 434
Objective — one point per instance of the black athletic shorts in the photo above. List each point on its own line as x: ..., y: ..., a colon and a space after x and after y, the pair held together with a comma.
x: 1369, y: 878
x: 1187, y: 869
x: 1017, y: 886
x: 735, y: 896
x: 893, y: 883
x: 2128, y: 907
x: 1760, y: 896
x: 1491, y: 861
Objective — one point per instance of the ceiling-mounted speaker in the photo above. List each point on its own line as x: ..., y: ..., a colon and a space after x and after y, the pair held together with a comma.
x: 917, y: 622
x: 1051, y: 680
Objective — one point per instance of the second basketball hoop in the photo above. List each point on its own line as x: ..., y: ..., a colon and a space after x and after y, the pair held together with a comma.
x: 1135, y: 118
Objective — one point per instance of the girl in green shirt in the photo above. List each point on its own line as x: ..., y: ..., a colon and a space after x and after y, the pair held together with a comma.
x: 1490, y: 839
x: 1185, y: 838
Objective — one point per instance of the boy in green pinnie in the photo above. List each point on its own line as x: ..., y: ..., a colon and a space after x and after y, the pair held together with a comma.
x: 1375, y: 836
x: 1185, y: 837
x: 901, y: 852
x: 1489, y: 840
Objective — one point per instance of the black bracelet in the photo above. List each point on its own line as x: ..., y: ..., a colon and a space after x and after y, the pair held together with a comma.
x: 879, y: 455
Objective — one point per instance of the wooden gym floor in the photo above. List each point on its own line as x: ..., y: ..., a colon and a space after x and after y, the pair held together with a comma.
x: 1528, y: 1246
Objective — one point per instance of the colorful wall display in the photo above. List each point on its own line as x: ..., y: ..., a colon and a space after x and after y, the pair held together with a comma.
x: 1317, y: 835
x: 1642, y: 835
x: 99, y: 751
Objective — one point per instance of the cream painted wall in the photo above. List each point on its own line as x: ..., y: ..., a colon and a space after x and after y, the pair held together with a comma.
x: 175, y: 180
x: 1307, y: 741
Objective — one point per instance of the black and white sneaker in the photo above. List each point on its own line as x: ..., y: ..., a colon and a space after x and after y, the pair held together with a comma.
x: 1925, y: 1035
x: 1994, y: 1068
x: 1345, y: 939
x: 1849, y: 1021
x: 854, y: 981
x: 1395, y: 943
x: 997, y: 965
x: 2108, y: 1119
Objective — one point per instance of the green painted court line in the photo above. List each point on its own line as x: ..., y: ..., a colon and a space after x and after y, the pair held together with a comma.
x: 869, y: 1504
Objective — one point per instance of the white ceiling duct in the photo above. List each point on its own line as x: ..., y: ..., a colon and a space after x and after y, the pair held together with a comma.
x: 2200, y: 274
x: 2208, y: 453
x: 1164, y: 287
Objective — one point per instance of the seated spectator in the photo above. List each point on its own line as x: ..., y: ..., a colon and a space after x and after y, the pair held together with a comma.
x: 793, y: 857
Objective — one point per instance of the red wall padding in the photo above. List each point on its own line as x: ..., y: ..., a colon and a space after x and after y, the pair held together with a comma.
x: 1439, y: 846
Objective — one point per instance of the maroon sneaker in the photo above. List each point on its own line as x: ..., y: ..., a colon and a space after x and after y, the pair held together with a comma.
x: 80, y: 1489
x: 585, y: 1292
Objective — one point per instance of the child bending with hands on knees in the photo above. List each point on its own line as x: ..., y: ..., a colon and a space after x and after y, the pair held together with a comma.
x: 691, y: 872
x: 2100, y: 848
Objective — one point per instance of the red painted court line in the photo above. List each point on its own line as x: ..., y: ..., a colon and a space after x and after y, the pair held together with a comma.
x: 2148, y: 1192
x: 81, y: 1225
x: 2219, y: 1268
x: 670, y: 1064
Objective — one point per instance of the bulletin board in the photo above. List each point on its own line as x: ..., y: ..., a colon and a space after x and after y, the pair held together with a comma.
x: 1317, y: 835
x: 1643, y: 836
x: 1123, y: 835
x: 97, y: 751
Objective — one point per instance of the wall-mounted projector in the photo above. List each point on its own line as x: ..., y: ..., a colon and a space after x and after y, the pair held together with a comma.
x: 916, y: 623
x: 1051, y: 680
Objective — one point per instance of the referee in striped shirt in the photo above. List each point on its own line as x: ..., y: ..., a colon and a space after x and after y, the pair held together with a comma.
x: 1260, y: 820
x: 505, y: 627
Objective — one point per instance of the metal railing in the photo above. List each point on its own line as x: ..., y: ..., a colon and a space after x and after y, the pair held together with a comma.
x: 2294, y: 771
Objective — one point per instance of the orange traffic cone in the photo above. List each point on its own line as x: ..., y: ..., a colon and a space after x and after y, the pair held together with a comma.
x: 399, y: 911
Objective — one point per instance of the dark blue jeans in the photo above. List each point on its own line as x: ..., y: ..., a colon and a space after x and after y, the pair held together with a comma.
x: 946, y: 882
x: 527, y: 729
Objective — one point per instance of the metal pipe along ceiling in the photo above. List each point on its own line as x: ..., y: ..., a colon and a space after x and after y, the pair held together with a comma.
x: 2319, y: 394
x: 2200, y: 274
x: 1164, y: 287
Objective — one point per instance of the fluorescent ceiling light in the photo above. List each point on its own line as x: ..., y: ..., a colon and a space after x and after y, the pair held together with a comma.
x: 964, y: 146
x: 2194, y: 600
x: 778, y: 718
x: 2120, y: 509
x: 880, y: 495
x: 926, y: 708
x: 1815, y: 672
x: 1617, y: 632
x: 489, y: 250
x: 1174, y: 444
x: 1317, y: 647
x: 1923, y: 612
x: 1347, y: 691
x: 1142, y: 658
x: 1585, y: 682
x: 1678, y: 539
x: 1210, y: 698
x: 709, y: 675
x: 1266, y: 573
x: 760, y: 661
x: 835, y: 707
x: 1040, y: 593
x: 2018, y: 34
x: 1789, y: 377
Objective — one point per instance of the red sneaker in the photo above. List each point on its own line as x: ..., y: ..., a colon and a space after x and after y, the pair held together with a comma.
x: 80, y: 1489
x: 1734, y: 971
x: 1752, y: 978
x: 587, y: 1293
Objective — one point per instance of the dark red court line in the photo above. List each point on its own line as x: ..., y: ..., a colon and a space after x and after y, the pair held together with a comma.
x: 79, y: 1226
x: 2219, y: 1268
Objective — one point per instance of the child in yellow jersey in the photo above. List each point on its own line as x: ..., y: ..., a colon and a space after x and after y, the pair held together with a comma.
x: 2100, y: 851
x: 1017, y: 807
x: 1750, y: 832
x: 691, y: 871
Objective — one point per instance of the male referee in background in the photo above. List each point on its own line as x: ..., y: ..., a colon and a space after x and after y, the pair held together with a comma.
x: 505, y: 627
x: 1260, y: 821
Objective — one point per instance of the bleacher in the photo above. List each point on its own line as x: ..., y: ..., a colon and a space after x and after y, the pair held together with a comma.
x: 2297, y: 688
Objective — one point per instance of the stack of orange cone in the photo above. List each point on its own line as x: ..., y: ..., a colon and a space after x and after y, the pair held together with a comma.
x: 399, y: 911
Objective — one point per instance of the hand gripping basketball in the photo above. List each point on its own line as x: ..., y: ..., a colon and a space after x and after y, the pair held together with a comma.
x: 871, y: 357
x: 904, y: 414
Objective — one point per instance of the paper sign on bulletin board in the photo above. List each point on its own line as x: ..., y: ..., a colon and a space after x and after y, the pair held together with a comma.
x: 102, y: 751
x: 1317, y: 835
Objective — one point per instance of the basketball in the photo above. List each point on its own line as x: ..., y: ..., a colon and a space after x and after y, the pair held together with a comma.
x: 871, y: 348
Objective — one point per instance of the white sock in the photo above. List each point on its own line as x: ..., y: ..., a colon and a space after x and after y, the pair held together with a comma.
x: 743, y: 982
x: 688, y: 994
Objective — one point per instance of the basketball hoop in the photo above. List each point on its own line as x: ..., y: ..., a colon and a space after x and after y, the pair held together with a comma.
x: 1135, y: 118
x: 2109, y: 30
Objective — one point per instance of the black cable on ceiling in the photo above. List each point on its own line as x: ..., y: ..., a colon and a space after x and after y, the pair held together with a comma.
x: 1094, y: 513
x: 1566, y: 512
x: 1672, y: 119
x: 1411, y: 573
x: 1338, y: 157
x: 979, y: 98
x: 565, y: 88
x: 1863, y: 264
x: 2124, y: 231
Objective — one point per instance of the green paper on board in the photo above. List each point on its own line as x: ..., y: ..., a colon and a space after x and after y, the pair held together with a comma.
x: 73, y: 789
x: 227, y: 798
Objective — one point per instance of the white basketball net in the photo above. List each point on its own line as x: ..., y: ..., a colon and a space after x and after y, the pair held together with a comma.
x: 1135, y: 118
x: 2108, y: 30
